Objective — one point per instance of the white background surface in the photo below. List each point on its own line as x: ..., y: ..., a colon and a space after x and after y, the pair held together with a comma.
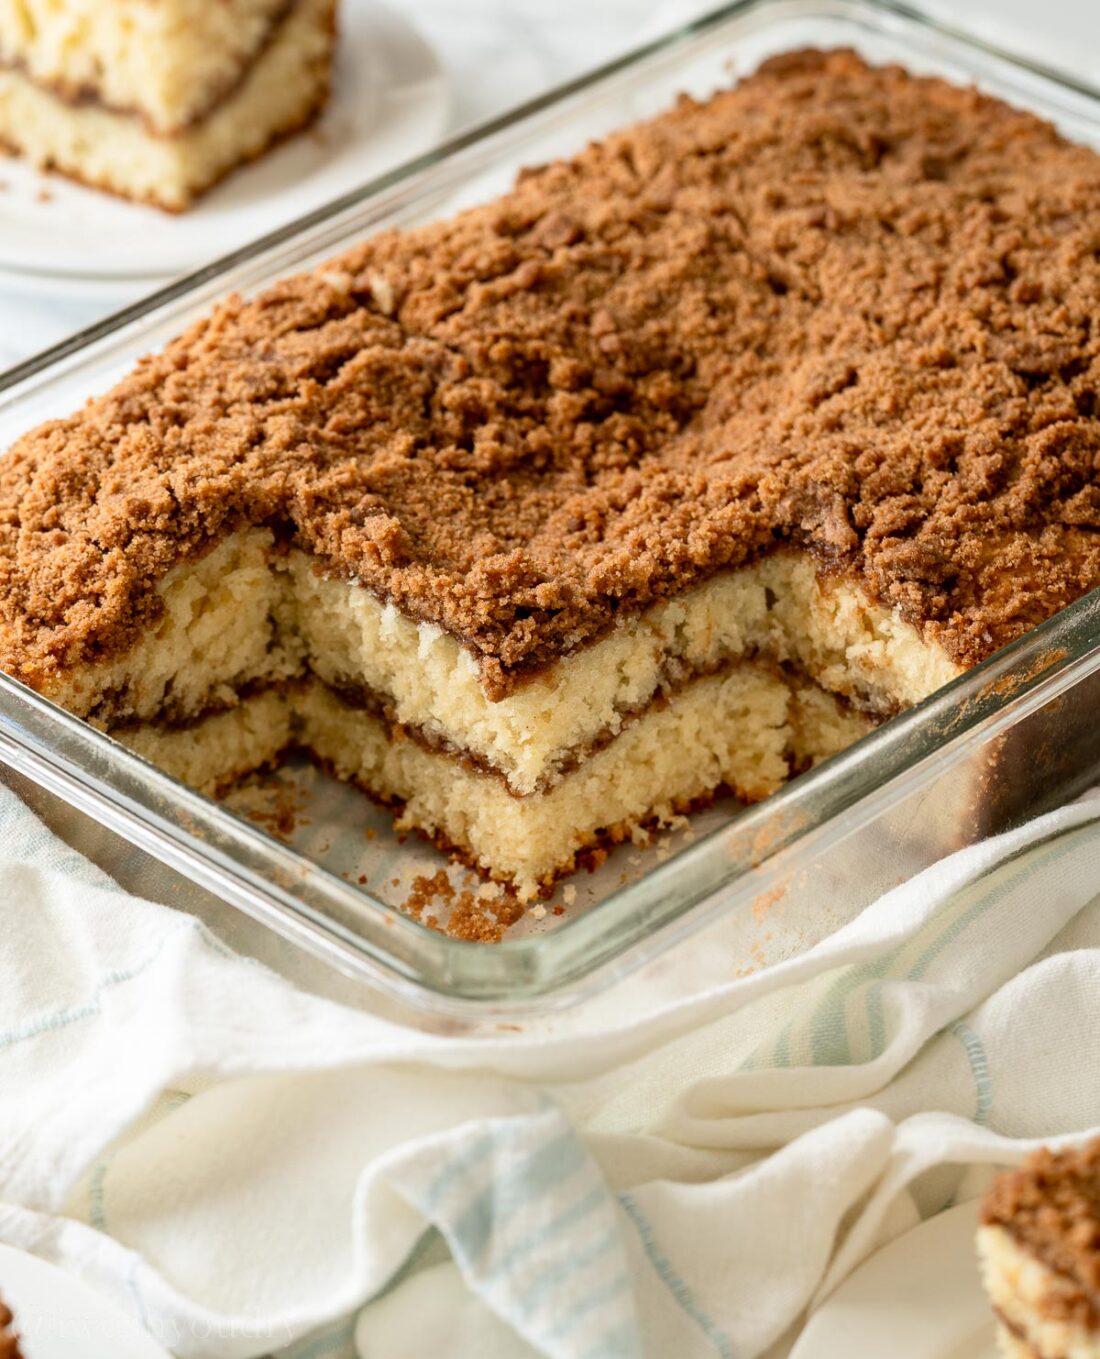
x: 500, y: 52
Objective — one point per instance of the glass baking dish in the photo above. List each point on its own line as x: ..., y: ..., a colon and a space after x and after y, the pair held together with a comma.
x: 737, y: 888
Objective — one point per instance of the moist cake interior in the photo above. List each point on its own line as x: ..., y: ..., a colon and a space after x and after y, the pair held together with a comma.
x: 257, y: 653
x: 676, y: 468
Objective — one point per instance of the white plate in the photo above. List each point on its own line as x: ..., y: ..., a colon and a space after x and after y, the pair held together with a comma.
x: 918, y: 1298
x: 58, y: 1317
x: 390, y: 102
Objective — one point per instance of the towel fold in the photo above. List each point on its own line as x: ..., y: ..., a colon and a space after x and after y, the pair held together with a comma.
x: 247, y: 1168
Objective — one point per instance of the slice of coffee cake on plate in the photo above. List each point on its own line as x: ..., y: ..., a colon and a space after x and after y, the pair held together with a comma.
x: 157, y: 102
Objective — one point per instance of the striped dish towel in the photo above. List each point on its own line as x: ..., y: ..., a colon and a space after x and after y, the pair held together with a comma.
x: 249, y: 1169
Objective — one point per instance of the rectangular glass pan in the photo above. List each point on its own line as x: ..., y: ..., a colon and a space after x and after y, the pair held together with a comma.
x: 994, y: 747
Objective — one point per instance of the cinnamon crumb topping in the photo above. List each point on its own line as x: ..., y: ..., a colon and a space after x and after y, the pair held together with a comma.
x: 472, y: 916
x: 837, y: 306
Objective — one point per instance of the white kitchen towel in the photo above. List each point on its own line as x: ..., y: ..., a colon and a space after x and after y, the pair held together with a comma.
x: 245, y: 1167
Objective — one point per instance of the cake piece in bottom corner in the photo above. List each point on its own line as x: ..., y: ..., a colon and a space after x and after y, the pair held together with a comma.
x: 1039, y: 1248
x: 9, y: 1337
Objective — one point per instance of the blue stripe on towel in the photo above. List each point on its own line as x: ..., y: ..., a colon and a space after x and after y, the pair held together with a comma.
x: 532, y: 1176
x: 576, y: 1312
x: 72, y: 1014
x: 979, y: 1065
x: 831, y: 1035
x: 550, y: 1279
x: 621, y: 1342
x: 537, y: 1166
x: 668, y: 1275
x: 569, y: 1217
x: 455, y: 1169
x: 97, y: 1208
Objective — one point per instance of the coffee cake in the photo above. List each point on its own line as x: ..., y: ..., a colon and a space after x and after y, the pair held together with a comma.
x: 158, y: 101
x: 1039, y: 1245
x: 675, y: 469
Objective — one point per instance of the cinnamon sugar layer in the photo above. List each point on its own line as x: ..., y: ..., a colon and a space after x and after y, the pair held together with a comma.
x: 836, y: 307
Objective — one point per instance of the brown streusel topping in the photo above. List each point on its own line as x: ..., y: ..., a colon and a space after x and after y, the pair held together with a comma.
x: 836, y: 306
x: 1051, y: 1207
